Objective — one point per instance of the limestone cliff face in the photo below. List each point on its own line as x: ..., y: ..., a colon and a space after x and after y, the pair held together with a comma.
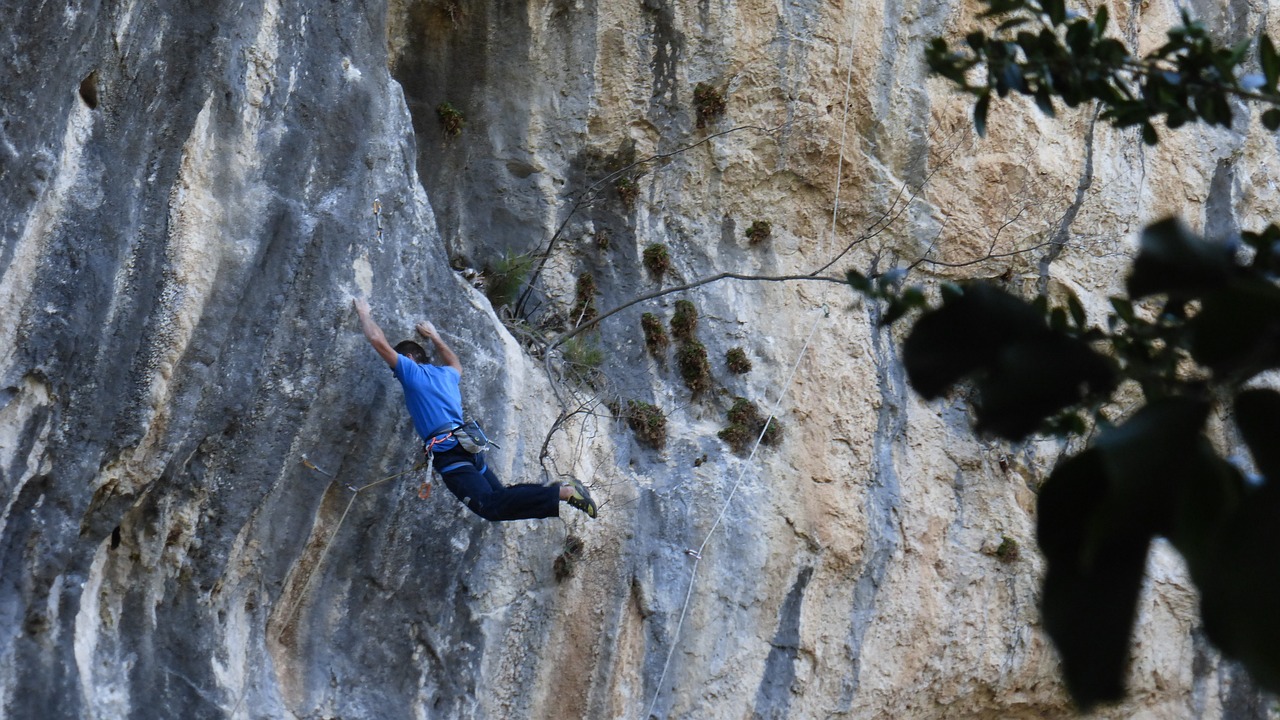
x: 186, y: 192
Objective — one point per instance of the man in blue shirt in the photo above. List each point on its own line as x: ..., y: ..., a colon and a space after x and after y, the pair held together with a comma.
x: 435, y: 404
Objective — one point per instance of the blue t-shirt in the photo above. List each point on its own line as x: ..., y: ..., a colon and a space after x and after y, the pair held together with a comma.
x: 431, y: 394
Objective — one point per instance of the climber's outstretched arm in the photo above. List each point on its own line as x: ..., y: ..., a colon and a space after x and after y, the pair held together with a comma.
x: 374, y: 333
x: 447, y: 356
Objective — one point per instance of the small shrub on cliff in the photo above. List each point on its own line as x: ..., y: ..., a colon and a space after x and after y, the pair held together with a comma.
x: 657, y: 260
x: 584, y: 305
x: 694, y: 368
x: 583, y: 358
x: 1008, y: 550
x: 708, y: 102
x: 737, y: 361
x: 567, y: 561
x: 745, y: 424
x: 505, y: 276
x: 628, y: 190
x: 759, y: 231
x: 648, y: 422
x: 451, y: 119
x: 655, y: 335
x: 685, y: 320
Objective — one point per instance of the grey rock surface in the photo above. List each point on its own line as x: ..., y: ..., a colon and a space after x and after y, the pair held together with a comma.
x: 187, y: 200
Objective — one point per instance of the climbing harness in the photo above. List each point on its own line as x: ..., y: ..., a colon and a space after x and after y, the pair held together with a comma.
x: 697, y: 554
x: 470, y: 437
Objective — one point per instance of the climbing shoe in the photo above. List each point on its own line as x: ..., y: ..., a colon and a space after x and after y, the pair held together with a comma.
x: 581, y: 499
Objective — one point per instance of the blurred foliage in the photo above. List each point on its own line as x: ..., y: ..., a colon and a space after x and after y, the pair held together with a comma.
x: 1041, y: 49
x: 1198, y: 324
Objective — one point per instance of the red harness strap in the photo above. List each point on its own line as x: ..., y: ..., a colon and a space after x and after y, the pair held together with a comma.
x: 424, y: 490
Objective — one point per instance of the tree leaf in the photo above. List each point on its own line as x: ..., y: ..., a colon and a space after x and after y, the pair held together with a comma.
x: 1271, y: 119
x: 964, y: 336
x: 1149, y: 136
x: 859, y: 282
x: 1056, y: 10
x: 1270, y: 61
x: 1034, y: 378
x: 980, y: 114
x: 1124, y: 309
x: 1257, y: 414
x: 1172, y: 259
x: 1237, y: 329
x: 1238, y: 575
x: 1097, y: 514
x: 1078, y: 314
x: 1092, y: 580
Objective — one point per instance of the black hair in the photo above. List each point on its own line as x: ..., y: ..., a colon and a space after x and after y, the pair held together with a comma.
x: 412, y: 350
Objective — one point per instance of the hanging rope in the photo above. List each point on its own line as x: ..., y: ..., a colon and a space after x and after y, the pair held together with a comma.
x: 355, y: 492
x: 697, y: 554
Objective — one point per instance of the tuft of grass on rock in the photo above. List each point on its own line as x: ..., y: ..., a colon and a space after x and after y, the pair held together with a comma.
x: 657, y: 260
x: 685, y: 320
x: 584, y: 306
x: 505, y: 277
x: 628, y: 190
x: 583, y: 358
x: 694, y: 368
x: 1008, y: 551
x: 648, y: 422
x: 567, y: 561
x: 655, y: 335
x: 759, y: 231
x: 708, y: 103
x: 745, y: 425
x: 737, y: 361
x: 451, y: 119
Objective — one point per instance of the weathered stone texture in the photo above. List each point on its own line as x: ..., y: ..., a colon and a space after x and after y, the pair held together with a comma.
x: 186, y: 195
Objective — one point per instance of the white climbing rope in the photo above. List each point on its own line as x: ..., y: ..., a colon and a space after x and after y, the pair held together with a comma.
x: 697, y: 554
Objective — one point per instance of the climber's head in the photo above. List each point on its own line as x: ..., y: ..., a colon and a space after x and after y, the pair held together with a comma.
x: 413, y: 351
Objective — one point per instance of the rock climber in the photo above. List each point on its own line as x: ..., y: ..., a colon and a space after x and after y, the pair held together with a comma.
x: 435, y: 404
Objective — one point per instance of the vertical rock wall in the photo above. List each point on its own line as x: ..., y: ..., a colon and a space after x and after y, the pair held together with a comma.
x: 186, y: 193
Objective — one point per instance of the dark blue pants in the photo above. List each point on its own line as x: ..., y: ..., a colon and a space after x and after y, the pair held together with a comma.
x: 469, y: 478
